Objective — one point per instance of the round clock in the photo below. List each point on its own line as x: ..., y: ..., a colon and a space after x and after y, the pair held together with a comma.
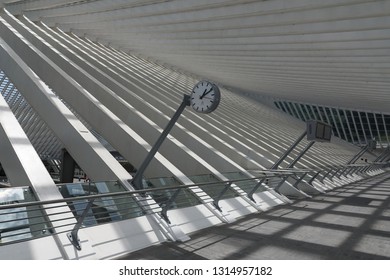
x: 205, y: 97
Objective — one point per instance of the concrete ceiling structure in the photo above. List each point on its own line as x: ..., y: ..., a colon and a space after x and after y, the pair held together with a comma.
x: 94, y: 82
x: 333, y: 52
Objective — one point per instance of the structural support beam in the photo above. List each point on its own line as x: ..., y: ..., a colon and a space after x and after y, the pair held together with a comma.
x: 67, y: 167
x: 92, y: 157
x: 19, y: 159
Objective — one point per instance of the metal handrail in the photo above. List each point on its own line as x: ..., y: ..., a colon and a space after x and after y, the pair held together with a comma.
x: 146, y: 190
x: 136, y: 209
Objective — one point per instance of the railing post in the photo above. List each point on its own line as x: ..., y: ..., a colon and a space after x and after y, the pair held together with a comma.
x: 358, y: 155
x: 289, y: 150
x: 255, y: 188
x: 314, y: 177
x: 354, y: 169
x: 168, y: 205
x: 299, y: 180
x: 326, y: 174
x: 284, y: 178
x: 380, y: 158
x: 337, y: 169
x: 73, y: 235
x: 291, y: 165
x: 216, y: 200
x: 301, y: 154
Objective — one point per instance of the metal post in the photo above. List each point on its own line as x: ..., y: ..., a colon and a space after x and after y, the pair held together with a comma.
x: 299, y: 180
x: 326, y: 174
x: 335, y: 172
x: 342, y: 169
x: 281, y: 183
x: 291, y: 165
x: 314, y: 177
x: 279, y: 161
x: 168, y: 205
x: 289, y: 150
x: 255, y: 188
x: 73, y: 235
x: 358, y: 155
x: 346, y: 170
x: 137, y: 180
x: 216, y: 200
x: 353, y: 160
x: 308, y: 146
x: 381, y: 157
x: 354, y: 169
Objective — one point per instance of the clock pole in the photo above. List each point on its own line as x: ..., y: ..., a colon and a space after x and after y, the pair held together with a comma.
x: 137, y: 180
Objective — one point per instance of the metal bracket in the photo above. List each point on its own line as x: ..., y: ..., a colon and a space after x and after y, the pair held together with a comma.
x: 284, y: 178
x: 168, y: 204
x: 314, y: 177
x: 73, y: 235
x: 216, y: 200
x: 299, y: 180
x: 255, y: 188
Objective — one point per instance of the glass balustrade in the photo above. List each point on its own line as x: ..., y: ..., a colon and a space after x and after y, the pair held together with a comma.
x: 185, y: 198
x: 214, y: 189
x: 105, y: 209
x: 22, y: 222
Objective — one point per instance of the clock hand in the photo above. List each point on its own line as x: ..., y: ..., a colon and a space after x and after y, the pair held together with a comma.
x: 205, y: 93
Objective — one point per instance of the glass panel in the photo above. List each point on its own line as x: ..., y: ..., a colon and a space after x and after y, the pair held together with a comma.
x: 22, y: 222
x: 185, y: 197
x: 103, y: 210
x: 246, y: 186
x: 215, y: 189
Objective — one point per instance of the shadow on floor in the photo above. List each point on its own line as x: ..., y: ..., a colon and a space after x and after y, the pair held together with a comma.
x: 350, y: 222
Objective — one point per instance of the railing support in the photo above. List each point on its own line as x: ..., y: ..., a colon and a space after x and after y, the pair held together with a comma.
x: 326, y: 174
x: 380, y: 158
x: 299, y: 180
x: 281, y: 183
x: 255, y: 188
x: 291, y: 165
x: 216, y: 200
x: 168, y: 205
x: 314, y: 177
x: 289, y: 150
x: 73, y: 235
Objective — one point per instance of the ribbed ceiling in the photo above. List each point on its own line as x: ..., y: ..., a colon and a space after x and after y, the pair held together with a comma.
x: 331, y: 52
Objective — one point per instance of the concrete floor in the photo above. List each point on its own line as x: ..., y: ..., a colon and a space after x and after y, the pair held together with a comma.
x: 351, y: 222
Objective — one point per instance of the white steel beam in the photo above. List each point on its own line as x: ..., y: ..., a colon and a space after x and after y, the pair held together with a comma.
x: 85, y: 149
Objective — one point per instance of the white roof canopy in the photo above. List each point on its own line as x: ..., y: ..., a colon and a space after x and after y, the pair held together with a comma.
x: 332, y: 52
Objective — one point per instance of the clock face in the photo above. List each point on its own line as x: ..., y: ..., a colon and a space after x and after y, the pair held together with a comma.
x: 205, y: 97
